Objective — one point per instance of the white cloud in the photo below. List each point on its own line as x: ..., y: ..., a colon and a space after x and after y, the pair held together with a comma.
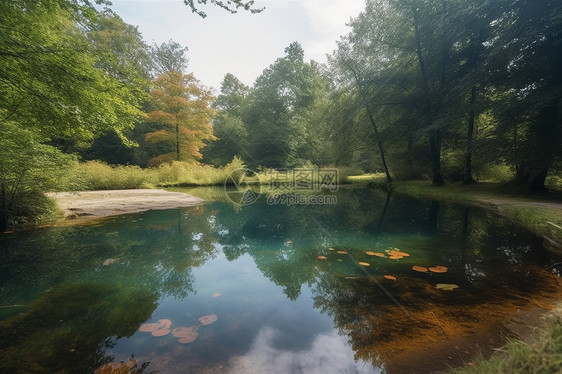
x: 329, y: 353
x: 243, y: 44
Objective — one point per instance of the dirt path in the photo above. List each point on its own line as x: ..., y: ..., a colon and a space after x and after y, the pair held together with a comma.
x: 97, y: 204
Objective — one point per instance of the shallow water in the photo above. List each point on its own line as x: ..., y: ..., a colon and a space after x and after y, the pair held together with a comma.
x: 73, y: 298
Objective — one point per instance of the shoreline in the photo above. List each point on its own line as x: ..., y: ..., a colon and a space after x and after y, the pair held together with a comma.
x: 86, y: 205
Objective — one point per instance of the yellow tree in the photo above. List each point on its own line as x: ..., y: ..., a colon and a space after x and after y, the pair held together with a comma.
x: 183, y: 105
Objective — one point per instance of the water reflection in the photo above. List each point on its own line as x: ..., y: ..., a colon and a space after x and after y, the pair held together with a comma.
x: 73, y: 297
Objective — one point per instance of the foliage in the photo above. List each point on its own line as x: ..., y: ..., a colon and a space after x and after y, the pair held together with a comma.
x: 182, y: 104
x: 168, y: 56
x: 27, y: 167
x: 230, y: 5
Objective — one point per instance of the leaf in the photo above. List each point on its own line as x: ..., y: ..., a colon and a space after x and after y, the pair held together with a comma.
x: 149, y: 327
x: 394, y: 257
x: 342, y: 252
x: 438, y: 269
x: 161, y: 332
x: 421, y: 269
x: 370, y: 253
x: 398, y: 253
x: 164, y: 323
x: 364, y: 264
x: 391, y: 277
x: 184, y: 332
x: 208, y: 319
x: 446, y: 286
x: 322, y: 257
x: 378, y: 254
x: 330, y: 249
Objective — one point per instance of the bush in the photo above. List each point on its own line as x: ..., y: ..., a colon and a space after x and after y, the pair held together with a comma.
x: 96, y: 175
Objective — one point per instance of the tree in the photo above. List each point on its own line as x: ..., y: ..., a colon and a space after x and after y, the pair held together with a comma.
x: 183, y: 105
x: 278, y: 133
x: 168, y: 56
x: 228, y: 125
x: 230, y: 5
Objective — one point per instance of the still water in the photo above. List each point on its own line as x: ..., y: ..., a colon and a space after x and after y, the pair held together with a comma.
x: 269, y: 288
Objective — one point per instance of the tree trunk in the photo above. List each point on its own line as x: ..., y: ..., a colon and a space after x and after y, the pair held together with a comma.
x: 177, y: 142
x: 434, y: 135
x: 379, y: 142
x: 467, y: 178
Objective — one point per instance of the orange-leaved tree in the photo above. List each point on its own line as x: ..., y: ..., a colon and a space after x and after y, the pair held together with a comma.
x: 183, y: 106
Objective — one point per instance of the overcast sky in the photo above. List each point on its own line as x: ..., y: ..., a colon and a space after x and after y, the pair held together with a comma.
x: 242, y: 44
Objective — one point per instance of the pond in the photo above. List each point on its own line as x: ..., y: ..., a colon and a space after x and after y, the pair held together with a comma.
x: 263, y: 288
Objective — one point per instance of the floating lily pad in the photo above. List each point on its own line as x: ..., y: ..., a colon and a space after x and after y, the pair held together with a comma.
x: 421, y: 269
x: 183, y: 332
x: 322, y: 257
x: 189, y: 339
x: 370, y: 253
x: 378, y: 254
x: 342, y: 252
x: 364, y: 264
x: 446, y: 286
x: 391, y: 277
x: 398, y: 253
x: 149, y: 327
x: 340, y: 260
x: 164, y: 323
x: 438, y: 269
x: 208, y: 319
x: 161, y: 332
x: 289, y: 242
x: 330, y: 249
x: 394, y: 257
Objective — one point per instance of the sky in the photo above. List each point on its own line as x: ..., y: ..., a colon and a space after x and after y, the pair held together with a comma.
x: 243, y: 44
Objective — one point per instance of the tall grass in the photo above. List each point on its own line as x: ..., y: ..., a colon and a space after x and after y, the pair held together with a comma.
x: 541, y: 355
x: 96, y: 175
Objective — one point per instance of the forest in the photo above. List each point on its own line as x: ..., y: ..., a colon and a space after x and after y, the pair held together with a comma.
x: 439, y: 90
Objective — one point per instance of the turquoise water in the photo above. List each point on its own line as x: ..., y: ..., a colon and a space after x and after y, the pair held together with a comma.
x: 73, y: 298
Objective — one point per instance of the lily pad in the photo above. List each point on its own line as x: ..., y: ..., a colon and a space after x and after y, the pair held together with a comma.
x: 370, y: 253
x: 149, y: 327
x: 378, y: 254
x: 438, y: 269
x: 322, y: 257
x: 184, y: 332
x: 330, y: 249
x: 342, y: 252
x: 161, y: 332
x: 421, y: 269
x: 364, y: 264
x: 208, y: 319
x: 394, y: 257
x: 446, y: 286
x: 398, y: 253
x: 164, y: 323
x: 391, y: 277
x: 189, y: 339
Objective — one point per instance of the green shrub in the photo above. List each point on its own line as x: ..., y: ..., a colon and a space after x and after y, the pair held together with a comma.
x: 96, y: 175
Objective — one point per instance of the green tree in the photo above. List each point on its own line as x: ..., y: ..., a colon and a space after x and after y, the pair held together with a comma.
x: 228, y: 125
x: 183, y: 105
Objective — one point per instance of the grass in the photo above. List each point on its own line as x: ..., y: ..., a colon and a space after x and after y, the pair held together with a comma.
x: 541, y: 354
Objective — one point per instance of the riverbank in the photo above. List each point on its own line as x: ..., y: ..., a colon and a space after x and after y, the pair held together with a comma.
x: 541, y: 213
x: 84, y: 205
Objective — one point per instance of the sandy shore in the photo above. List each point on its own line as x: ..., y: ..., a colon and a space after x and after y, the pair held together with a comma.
x: 97, y: 204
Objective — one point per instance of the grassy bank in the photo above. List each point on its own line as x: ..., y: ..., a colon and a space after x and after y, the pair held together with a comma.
x: 542, y: 353
x: 541, y: 213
